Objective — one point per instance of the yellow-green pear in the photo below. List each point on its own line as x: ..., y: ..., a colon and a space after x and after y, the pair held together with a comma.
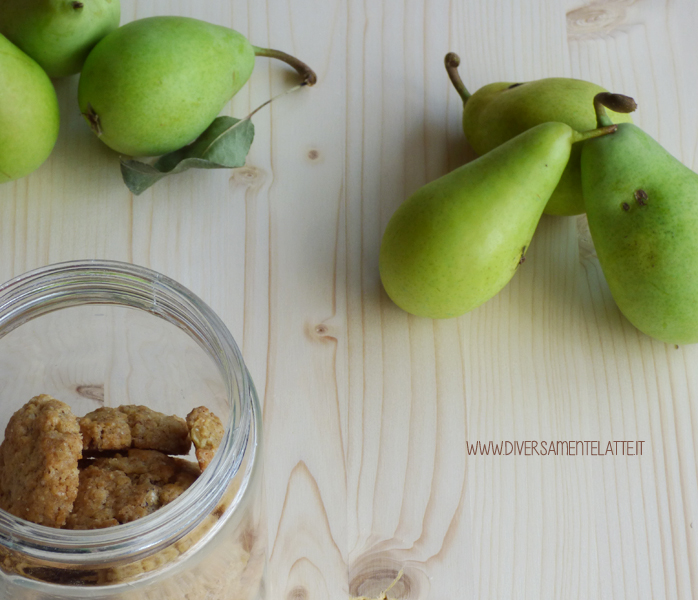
x: 58, y: 34
x: 500, y: 111
x: 458, y: 240
x: 642, y: 207
x: 28, y: 113
x: 154, y: 85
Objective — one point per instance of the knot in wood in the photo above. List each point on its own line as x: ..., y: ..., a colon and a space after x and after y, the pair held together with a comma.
x: 595, y: 19
x: 248, y: 175
x: 91, y: 392
x: 298, y: 593
x: 372, y: 581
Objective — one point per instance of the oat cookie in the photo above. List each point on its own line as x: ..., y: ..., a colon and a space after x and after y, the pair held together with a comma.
x: 206, y: 431
x: 105, y: 429
x: 134, y: 427
x: 39, y: 462
x: 186, y: 474
x: 125, y: 488
x: 152, y: 430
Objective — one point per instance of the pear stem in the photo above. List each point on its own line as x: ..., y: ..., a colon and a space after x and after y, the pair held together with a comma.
x: 307, y: 74
x: 616, y: 102
x: 581, y: 136
x: 452, y: 62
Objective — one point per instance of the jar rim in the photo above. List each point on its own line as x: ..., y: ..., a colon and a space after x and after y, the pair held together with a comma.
x: 85, y: 282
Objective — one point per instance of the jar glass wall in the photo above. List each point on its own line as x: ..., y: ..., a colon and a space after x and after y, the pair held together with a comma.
x: 103, y: 333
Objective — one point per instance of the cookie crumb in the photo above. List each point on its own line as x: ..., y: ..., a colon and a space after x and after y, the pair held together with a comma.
x: 206, y: 431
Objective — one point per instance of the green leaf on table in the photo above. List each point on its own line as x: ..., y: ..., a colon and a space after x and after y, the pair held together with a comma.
x: 224, y: 145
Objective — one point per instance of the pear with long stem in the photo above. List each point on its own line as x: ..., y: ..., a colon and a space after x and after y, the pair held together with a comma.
x: 500, y: 111
x: 154, y: 85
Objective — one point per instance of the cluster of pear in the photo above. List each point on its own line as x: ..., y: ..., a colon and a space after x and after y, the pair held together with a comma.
x: 146, y: 88
x: 40, y: 39
x: 550, y: 146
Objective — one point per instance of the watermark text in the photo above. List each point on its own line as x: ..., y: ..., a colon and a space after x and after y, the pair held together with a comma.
x: 556, y: 448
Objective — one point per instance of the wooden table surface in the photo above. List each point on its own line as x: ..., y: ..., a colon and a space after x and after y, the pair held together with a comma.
x: 367, y: 411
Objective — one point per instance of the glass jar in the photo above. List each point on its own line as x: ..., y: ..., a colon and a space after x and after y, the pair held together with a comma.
x: 104, y: 333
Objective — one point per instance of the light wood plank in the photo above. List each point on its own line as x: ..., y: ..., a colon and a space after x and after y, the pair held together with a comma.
x: 367, y: 410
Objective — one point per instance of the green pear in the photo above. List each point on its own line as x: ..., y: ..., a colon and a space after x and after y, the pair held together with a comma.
x: 58, y: 34
x: 642, y: 207
x: 156, y: 84
x: 458, y: 240
x: 500, y: 111
x: 28, y: 113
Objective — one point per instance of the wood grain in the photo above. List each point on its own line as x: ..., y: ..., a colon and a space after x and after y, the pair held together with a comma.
x: 367, y: 411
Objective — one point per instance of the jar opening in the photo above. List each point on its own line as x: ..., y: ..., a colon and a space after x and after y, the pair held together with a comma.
x: 83, y: 283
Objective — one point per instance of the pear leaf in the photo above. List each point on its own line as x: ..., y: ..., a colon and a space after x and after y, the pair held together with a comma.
x: 224, y: 145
